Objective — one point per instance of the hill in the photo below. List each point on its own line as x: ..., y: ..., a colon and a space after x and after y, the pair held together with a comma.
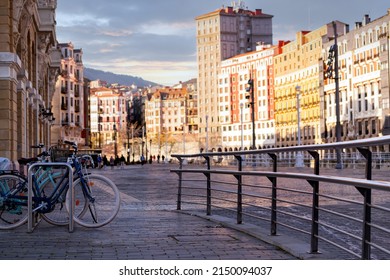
x: 112, y: 78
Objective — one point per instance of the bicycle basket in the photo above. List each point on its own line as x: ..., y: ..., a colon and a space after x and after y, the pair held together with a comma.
x: 60, y: 153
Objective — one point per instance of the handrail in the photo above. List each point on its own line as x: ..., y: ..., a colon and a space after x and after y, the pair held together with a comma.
x: 376, y: 141
x: 364, y: 186
x: 30, y: 220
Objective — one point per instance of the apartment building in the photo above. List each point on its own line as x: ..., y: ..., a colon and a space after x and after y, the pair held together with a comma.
x: 108, y: 115
x: 235, y: 99
x: 29, y: 65
x: 364, y: 99
x: 68, y: 102
x: 297, y: 81
x: 222, y: 34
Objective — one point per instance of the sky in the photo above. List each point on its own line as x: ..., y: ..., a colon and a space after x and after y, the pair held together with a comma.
x: 156, y: 40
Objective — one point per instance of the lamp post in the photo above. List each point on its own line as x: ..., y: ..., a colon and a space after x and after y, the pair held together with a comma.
x: 150, y: 150
x: 132, y: 141
x: 143, y: 143
x: 128, y: 143
x: 242, y: 125
x: 334, y: 54
x: 115, y: 144
x: 339, y: 164
x: 251, y: 96
x: 207, y: 133
x: 299, y: 156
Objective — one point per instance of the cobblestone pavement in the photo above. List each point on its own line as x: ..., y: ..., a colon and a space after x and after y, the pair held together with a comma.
x: 147, y: 227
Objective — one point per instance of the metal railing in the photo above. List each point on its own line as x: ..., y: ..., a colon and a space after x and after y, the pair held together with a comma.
x: 349, y: 212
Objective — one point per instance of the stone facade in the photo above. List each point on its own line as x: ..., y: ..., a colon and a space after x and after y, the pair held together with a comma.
x: 222, y: 34
x: 28, y: 71
x: 363, y: 83
x: 68, y: 103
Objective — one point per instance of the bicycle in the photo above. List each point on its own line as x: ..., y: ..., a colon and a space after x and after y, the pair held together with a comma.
x: 97, y: 199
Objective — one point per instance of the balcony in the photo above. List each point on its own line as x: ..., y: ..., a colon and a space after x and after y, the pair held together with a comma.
x: 64, y: 90
x: 65, y: 122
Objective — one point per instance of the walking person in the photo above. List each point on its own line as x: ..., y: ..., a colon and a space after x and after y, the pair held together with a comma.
x: 112, y: 162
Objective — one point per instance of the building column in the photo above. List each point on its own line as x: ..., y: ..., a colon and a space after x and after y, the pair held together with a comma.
x: 10, y: 65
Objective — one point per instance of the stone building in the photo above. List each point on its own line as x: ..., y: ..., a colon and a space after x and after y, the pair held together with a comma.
x: 364, y: 99
x: 222, y: 34
x: 235, y: 99
x: 68, y: 102
x: 29, y: 66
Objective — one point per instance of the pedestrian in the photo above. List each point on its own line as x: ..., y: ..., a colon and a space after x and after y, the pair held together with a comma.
x: 163, y: 158
x: 142, y: 159
x: 112, y: 162
x: 123, y: 160
x: 99, y: 160
x: 158, y: 158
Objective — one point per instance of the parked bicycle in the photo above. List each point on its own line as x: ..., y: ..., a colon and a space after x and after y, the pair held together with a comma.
x: 97, y: 199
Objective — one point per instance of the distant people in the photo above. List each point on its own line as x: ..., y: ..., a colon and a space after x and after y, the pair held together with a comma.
x: 163, y: 158
x: 158, y: 158
x: 112, y: 162
x: 150, y: 159
x: 142, y: 159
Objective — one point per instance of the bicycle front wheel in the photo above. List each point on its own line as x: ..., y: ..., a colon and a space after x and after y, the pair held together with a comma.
x: 102, y: 198
x: 13, y: 201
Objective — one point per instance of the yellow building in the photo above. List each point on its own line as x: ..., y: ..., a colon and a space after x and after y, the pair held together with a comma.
x: 29, y: 65
x: 298, y: 75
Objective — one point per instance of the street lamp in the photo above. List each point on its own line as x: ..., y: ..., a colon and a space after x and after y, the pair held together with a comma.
x: 128, y: 143
x: 334, y: 55
x: 207, y: 133
x: 242, y: 125
x: 132, y: 141
x: 150, y: 150
x: 251, y: 97
x: 115, y: 144
x: 299, y: 156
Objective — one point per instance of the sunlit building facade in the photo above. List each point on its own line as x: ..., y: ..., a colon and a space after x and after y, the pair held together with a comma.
x: 222, y: 34
x: 29, y: 66
x: 364, y: 99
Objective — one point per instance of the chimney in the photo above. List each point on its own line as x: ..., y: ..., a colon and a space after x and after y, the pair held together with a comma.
x: 358, y: 24
x: 366, y: 20
x: 229, y: 10
x: 258, y: 12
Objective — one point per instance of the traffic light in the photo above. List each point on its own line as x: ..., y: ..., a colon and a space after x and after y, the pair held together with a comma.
x: 249, y: 87
x: 329, y: 63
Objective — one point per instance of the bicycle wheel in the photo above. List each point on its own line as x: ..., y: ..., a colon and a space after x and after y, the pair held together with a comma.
x: 13, y: 201
x: 102, y: 198
x: 59, y: 215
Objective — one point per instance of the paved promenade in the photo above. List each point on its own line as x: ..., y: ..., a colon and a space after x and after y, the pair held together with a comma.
x: 147, y: 227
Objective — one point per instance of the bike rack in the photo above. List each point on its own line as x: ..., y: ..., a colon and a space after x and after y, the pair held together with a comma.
x: 30, y: 221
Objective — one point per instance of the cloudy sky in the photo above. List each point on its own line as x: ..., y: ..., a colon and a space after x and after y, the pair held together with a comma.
x: 155, y: 39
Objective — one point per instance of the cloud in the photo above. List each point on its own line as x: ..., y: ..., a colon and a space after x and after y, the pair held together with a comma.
x: 158, y: 38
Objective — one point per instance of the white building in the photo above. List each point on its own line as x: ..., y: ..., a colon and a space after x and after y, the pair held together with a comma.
x: 68, y: 101
x: 235, y: 111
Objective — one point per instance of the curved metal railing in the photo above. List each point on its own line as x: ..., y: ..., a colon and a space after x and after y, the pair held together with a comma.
x: 346, y: 209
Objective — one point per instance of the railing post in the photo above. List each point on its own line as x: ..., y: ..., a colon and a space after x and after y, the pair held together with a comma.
x: 179, y: 190
x: 239, y: 190
x: 366, y: 248
x: 274, y: 195
x: 315, y: 204
x: 208, y: 177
